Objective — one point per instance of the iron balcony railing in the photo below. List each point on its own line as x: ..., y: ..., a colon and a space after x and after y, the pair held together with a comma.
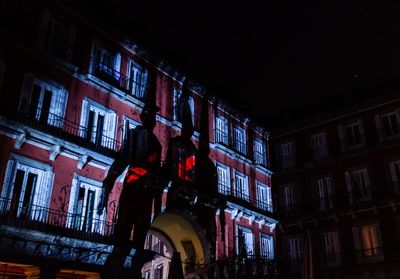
x: 231, y: 142
x: 240, y: 195
x: 35, y: 217
x: 108, y: 73
x: 374, y: 254
x: 254, y: 266
x: 51, y: 123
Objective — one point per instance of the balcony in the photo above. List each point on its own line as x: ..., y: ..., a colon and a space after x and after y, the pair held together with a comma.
x: 34, y: 217
x: 63, y: 128
x: 229, y: 141
x: 371, y: 255
x: 247, y: 267
x: 392, y: 131
x: 108, y: 74
x: 240, y: 197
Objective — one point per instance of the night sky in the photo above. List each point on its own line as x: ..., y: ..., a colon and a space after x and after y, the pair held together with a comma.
x: 295, y: 54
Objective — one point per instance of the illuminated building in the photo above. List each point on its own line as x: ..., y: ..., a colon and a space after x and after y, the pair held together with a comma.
x: 70, y: 93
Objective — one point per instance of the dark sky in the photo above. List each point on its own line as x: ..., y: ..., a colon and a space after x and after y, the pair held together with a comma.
x: 293, y: 54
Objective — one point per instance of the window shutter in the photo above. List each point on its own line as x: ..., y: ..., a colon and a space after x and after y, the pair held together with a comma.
x: 143, y: 88
x: 84, y: 115
x: 26, y: 92
x: 349, y: 186
x: 8, y: 186
x: 117, y: 66
x: 378, y: 126
x: 110, y: 130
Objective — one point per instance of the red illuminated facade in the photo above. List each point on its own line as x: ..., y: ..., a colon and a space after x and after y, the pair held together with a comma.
x: 70, y: 93
x: 336, y: 177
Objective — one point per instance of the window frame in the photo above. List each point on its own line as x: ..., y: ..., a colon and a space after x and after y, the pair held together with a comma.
x: 267, y: 205
x: 244, y: 195
x: 228, y: 187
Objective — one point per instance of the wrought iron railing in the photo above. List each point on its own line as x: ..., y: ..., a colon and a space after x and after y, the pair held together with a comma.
x: 246, y: 267
x: 229, y: 141
x: 238, y: 194
x: 32, y: 216
x: 108, y: 74
x: 66, y: 129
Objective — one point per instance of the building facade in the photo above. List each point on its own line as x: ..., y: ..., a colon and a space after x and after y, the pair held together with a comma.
x: 336, y: 179
x: 70, y: 93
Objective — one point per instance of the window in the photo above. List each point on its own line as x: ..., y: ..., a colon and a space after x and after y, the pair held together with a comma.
x: 57, y: 36
x: 267, y: 246
x: 368, y: 243
x: 394, y: 168
x: 240, y: 140
x: 106, y: 64
x: 318, y: 146
x: 2, y: 71
x: 221, y: 130
x: 177, y: 106
x: 358, y: 187
x: 287, y: 154
x: 241, y: 186
x: 129, y: 123
x: 324, y: 191
x: 264, y: 197
x: 158, y: 272
x: 147, y: 274
x: 245, y: 242
x: 27, y: 188
x: 85, y: 195
x: 351, y: 135
x: 331, y: 248
x: 260, y: 153
x: 289, y: 199
x: 294, y: 252
x: 388, y: 125
x: 224, y: 185
x: 137, y: 79
x: 99, y: 124
x: 43, y: 101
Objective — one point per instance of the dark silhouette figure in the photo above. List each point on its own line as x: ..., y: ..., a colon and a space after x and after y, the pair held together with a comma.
x: 180, y: 163
x: 141, y: 152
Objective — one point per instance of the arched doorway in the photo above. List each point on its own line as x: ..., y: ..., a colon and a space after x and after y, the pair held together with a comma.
x: 177, y: 231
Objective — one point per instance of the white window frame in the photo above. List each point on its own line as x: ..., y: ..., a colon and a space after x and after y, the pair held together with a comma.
x: 319, y: 146
x: 325, y: 191
x: 331, y: 248
x: 98, y: 53
x: 109, y: 125
x: 248, y: 240
x: 358, y: 185
x: 137, y: 80
x: 343, y: 135
x: 379, y: 122
x: 128, y: 123
x: 241, y: 186
x: 260, y: 152
x: 221, y: 130
x: 264, y: 196
x: 267, y: 246
x: 42, y: 192
x: 58, y: 104
x: 286, y: 153
x: 394, y: 172
x: 79, y: 182
x: 240, y: 139
x: 224, y: 179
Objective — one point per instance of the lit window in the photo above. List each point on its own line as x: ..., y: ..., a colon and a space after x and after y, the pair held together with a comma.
x: 43, y: 101
x: 260, y: 153
x: 331, y: 248
x: 358, y: 187
x: 224, y: 186
x: 85, y: 195
x: 264, y: 197
x: 368, y: 243
x: 99, y: 124
x: 241, y: 186
x: 267, y: 246
x: 318, y: 146
x: 221, y: 130
x: 240, y: 140
x: 106, y: 65
x: 27, y: 188
x: 245, y: 242
x: 287, y: 154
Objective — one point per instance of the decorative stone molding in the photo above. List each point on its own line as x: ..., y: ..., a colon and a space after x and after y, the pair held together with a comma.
x: 54, y: 152
x: 82, y: 161
x: 19, y: 141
